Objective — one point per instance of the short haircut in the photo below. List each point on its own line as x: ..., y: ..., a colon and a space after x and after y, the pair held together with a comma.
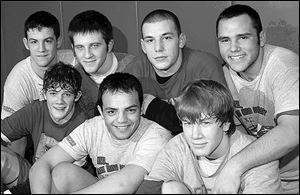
x: 237, y: 10
x: 88, y: 22
x: 64, y: 76
x: 206, y: 98
x: 42, y: 19
x: 120, y: 82
x: 160, y: 15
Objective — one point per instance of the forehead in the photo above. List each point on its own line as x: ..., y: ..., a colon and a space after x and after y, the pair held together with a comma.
x: 236, y: 25
x: 40, y: 32
x: 120, y: 100
x: 88, y: 37
x: 158, y: 28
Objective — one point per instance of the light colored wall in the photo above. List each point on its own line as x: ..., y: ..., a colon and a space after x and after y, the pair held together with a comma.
x: 280, y: 19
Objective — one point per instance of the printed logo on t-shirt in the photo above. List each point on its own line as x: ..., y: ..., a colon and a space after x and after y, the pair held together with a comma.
x: 44, y: 145
x: 70, y: 140
x: 104, y: 169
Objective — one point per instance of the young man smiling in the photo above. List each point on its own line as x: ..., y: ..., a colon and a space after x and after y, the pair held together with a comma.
x: 191, y: 161
x: 121, y: 143
x: 24, y: 83
x: 45, y: 122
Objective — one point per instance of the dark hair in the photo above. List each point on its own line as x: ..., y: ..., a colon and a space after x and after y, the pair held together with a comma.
x: 90, y: 21
x: 160, y: 15
x: 64, y: 76
x: 208, y: 98
x: 120, y: 82
x: 42, y: 19
x: 237, y: 10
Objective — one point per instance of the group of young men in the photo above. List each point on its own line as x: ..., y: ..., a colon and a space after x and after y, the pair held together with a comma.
x: 167, y: 121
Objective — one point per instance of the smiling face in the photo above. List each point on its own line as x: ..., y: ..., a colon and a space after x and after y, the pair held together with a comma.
x: 162, y: 45
x: 239, y: 44
x: 42, y: 45
x: 207, y: 138
x: 121, y: 112
x: 61, y: 104
x: 91, y: 51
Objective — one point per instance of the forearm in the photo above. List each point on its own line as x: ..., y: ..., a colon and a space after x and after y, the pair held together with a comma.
x: 40, y: 178
x: 126, y: 181
x: 271, y: 146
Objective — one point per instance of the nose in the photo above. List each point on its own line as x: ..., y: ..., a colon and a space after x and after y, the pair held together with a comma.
x: 234, y: 46
x: 60, y: 98
x: 87, y: 53
x: 42, y: 47
x: 122, y: 117
x: 158, y: 46
x: 196, y: 132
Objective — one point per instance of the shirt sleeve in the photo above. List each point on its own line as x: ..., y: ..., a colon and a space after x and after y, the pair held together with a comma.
x: 264, y: 179
x: 149, y: 146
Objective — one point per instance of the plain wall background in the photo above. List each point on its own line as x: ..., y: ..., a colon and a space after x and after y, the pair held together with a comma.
x: 280, y: 20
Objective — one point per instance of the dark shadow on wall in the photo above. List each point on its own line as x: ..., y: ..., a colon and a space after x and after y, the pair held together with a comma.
x: 120, y: 41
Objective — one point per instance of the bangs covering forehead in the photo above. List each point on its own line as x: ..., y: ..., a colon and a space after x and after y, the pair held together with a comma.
x: 63, y: 86
x: 194, y: 108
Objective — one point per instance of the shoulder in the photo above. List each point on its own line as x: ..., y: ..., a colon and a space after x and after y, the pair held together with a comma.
x: 281, y: 55
x: 152, y: 129
x: 20, y: 70
x: 197, y: 54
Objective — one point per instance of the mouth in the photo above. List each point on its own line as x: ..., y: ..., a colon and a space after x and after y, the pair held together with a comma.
x: 199, y: 145
x: 160, y: 58
x: 237, y: 57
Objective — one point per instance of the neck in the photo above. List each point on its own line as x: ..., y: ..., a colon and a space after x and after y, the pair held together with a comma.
x: 253, y: 70
x: 222, y: 148
x: 40, y: 70
x: 106, y: 66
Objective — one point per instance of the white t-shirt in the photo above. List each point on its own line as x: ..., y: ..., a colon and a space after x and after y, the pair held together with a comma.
x: 23, y: 85
x: 110, y: 155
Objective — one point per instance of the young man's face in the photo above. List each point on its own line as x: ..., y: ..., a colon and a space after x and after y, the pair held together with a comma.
x: 42, y: 45
x: 238, y: 43
x: 61, y: 104
x: 207, y: 138
x: 162, y: 44
x: 91, y: 50
x: 122, y: 113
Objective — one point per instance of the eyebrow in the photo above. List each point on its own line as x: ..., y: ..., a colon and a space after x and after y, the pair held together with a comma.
x: 165, y: 34
x: 43, y: 39
x: 238, y: 35
x: 129, y: 107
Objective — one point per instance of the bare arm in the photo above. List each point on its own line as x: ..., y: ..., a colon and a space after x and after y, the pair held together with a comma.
x: 125, y: 181
x: 40, y: 173
x: 272, y: 146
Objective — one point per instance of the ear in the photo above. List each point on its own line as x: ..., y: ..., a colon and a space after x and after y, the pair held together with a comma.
x: 143, y: 46
x: 58, y: 42
x: 262, y: 38
x: 44, y: 94
x: 226, y: 126
x: 79, y: 93
x: 25, y: 41
x: 110, y: 46
x: 182, y: 40
x: 100, y: 111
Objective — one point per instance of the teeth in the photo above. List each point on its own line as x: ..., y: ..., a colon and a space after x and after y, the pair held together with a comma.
x: 236, y: 57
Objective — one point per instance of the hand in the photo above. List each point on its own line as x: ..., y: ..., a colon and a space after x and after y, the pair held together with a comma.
x: 228, y: 181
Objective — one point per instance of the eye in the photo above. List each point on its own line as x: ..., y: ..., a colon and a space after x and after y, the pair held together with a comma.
x: 244, y: 37
x: 187, y: 124
x: 33, y: 42
x: 148, y: 40
x: 95, y: 45
x: 168, y: 38
x: 49, y: 41
x: 52, y: 93
x: 132, y: 110
x: 223, y: 40
x: 79, y: 47
x: 111, y: 112
x: 68, y: 94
